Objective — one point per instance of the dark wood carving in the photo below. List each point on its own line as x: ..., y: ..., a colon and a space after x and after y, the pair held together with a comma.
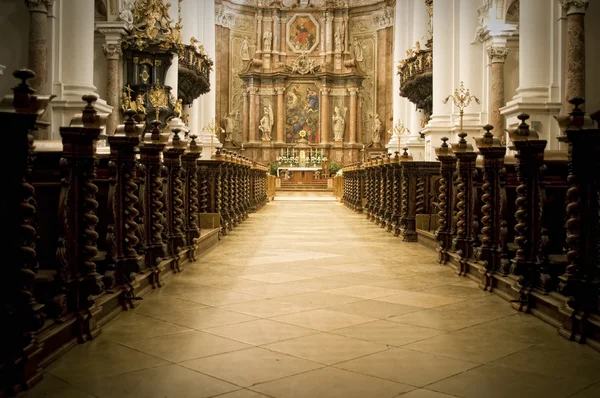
x: 445, y: 200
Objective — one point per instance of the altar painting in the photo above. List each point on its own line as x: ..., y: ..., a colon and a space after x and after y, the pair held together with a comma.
x: 302, y: 116
x: 303, y: 33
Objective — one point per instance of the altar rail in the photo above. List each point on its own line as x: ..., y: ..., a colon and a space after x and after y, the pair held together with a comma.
x: 87, y: 235
x: 512, y: 224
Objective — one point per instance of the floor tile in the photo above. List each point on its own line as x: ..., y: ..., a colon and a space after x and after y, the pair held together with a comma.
x: 364, y: 291
x: 205, y: 318
x: 319, y: 299
x: 100, y: 358
x: 131, y: 326
x: 262, y: 331
x: 160, y: 382
x: 252, y: 366
x: 374, y: 309
x: 418, y: 299
x: 184, y: 346
x: 494, y: 382
x: 266, y: 308
x: 443, y: 320
x: 391, y: 333
x: 406, y: 366
x: 326, y: 348
x: 332, y: 383
x: 322, y: 319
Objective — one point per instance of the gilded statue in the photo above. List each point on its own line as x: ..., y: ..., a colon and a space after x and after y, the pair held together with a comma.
x: 178, y: 108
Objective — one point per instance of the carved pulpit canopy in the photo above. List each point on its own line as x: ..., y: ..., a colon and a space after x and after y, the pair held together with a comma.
x: 416, y: 77
x: 153, y: 28
x: 194, y: 71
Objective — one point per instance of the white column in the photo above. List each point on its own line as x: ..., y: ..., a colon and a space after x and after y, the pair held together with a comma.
x: 443, y: 69
x: 207, y: 102
x: 537, y: 91
x: 400, y: 104
x: 172, y: 74
x: 470, y: 68
x: 75, y: 68
x: 189, y: 15
x: 420, y: 33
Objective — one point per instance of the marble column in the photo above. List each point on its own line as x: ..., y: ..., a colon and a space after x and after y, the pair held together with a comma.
x: 283, y: 47
x: 575, y: 59
x: 497, y: 57
x: 322, y: 23
x: 280, y: 115
x: 329, y: 36
x: 113, y: 32
x: 325, y: 116
x: 253, y: 114
x: 113, y: 54
x: 259, y: 19
x: 245, y: 115
x: 276, y: 36
x: 38, y: 46
x: 352, y: 117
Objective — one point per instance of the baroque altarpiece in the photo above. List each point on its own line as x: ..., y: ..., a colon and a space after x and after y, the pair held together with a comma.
x: 304, y: 75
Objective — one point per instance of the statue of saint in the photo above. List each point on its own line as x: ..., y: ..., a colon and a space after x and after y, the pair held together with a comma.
x: 267, y: 39
x: 358, y: 51
x: 245, y: 49
x: 178, y: 107
x: 339, y: 39
x: 229, y: 127
x: 339, y: 123
x: 266, y: 123
x: 376, y: 136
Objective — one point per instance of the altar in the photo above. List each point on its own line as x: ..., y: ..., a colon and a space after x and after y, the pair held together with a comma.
x: 299, y: 174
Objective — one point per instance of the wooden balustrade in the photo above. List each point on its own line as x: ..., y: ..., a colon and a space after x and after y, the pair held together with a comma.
x: 511, y: 223
x: 89, y: 233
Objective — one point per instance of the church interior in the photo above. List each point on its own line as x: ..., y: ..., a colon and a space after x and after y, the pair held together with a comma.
x: 300, y: 198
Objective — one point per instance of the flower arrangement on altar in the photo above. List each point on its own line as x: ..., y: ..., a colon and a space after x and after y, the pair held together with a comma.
x: 288, y: 158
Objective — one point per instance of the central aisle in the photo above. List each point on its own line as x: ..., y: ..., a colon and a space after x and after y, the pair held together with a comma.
x: 309, y: 300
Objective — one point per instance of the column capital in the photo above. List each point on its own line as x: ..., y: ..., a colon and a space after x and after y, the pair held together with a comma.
x: 279, y: 90
x: 39, y: 5
x: 574, y: 6
x: 353, y: 91
x: 325, y: 91
x: 497, y: 54
x: 113, y: 32
x: 112, y: 51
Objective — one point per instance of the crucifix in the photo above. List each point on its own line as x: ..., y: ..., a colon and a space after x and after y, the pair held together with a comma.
x: 462, y: 98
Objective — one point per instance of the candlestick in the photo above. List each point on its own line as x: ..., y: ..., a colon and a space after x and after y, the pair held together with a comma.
x: 462, y: 98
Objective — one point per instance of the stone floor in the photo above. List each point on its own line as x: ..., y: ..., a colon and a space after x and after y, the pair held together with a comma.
x: 309, y: 300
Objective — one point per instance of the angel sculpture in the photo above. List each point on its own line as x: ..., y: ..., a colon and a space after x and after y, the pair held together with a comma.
x: 266, y: 123
x: 339, y: 122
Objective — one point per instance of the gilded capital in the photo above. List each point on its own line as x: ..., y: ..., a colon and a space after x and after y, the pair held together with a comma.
x: 39, y: 5
x: 497, y: 54
x: 574, y: 6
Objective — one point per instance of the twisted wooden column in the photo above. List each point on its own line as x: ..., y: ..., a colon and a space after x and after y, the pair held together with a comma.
x: 493, y: 153
x: 20, y: 314
x: 396, y: 175
x: 204, y: 188
x: 376, y: 189
x: 445, y: 199
x: 191, y: 207
x: 360, y: 188
x: 219, y: 191
x: 466, y: 228
x: 150, y: 153
x: 382, y: 187
x: 368, y: 180
x: 77, y: 216
x: 387, y: 214
x: 580, y: 280
x: 175, y: 200
x: 530, y: 157
x: 124, y: 201
x: 406, y: 188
